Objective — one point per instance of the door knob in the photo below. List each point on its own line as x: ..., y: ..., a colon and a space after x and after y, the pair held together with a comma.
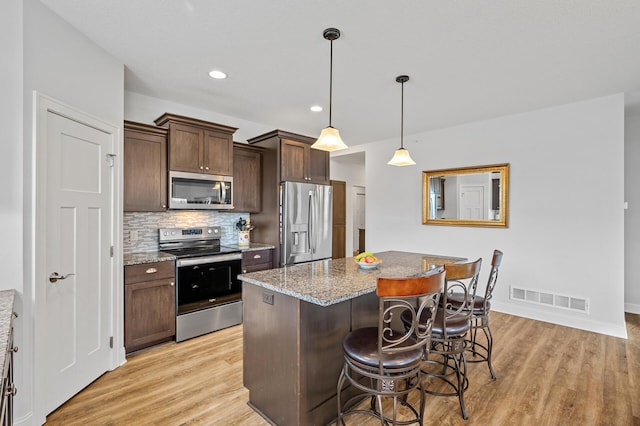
x: 54, y: 277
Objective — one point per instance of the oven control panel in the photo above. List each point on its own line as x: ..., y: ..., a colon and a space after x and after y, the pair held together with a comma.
x: 186, y: 234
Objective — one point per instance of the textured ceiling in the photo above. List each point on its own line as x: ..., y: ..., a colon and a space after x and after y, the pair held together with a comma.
x: 467, y: 59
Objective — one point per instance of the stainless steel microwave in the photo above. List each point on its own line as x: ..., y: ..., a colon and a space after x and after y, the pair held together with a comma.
x: 194, y: 191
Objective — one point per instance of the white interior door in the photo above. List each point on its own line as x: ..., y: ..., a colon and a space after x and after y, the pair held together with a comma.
x: 75, y: 313
x: 472, y: 206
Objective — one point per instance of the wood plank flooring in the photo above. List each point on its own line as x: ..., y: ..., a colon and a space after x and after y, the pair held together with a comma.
x: 547, y: 375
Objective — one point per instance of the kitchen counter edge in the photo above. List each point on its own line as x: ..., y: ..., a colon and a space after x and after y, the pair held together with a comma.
x: 159, y: 256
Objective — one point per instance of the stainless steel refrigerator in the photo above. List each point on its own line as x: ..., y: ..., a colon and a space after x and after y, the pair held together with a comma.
x: 305, y: 222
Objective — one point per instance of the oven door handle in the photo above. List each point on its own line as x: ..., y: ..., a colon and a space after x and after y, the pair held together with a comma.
x: 208, y: 259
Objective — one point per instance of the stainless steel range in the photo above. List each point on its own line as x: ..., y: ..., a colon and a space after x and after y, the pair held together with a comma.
x: 208, y: 292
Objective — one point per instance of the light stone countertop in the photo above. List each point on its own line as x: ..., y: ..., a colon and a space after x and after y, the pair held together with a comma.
x: 159, y: 256
x: 327, y: 282
x: 6, y: 317
x: 146, y: 257
x: 252, y: 246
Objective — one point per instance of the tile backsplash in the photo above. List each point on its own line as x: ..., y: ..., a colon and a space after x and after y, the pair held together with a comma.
x: 145, y: 226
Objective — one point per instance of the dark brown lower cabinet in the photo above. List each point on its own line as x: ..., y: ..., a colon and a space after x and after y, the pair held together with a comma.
x: 291, y: 373
x: 149, y: 304
x: 257, y: 260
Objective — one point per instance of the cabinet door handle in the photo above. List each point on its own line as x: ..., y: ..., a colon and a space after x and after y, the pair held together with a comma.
x: 257, y: 256
x: 14, y: 349
x: 201, y: 168
x: 151, y: 271
x: 172, y: 284
x: 244, y: 271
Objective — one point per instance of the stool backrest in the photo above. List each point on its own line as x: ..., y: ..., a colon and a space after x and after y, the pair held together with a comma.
x: 493, y: 278
x: 462, y: 279
x: 418, y: 297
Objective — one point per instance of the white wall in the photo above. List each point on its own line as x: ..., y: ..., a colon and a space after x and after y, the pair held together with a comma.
x: 145, y: 109
x: 11, y: 144
x: 63, y: 64
x: 632, y: 214
x: 566, y: 231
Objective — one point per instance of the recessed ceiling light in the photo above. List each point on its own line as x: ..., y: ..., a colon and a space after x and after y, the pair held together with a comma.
x: 217, y: 74
x: 316, y: 108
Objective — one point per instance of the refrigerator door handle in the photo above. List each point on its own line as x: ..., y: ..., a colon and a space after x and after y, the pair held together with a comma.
x: 310, y: 223
x: 315, y: 223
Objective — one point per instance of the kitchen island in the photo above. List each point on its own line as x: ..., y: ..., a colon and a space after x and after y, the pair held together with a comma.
x: 294, y: 321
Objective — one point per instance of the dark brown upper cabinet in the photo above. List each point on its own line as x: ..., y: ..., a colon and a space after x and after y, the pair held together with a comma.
x: 247, y: 178
x: 297, y: 162
x: 145, y: 168
x: 198, y: 146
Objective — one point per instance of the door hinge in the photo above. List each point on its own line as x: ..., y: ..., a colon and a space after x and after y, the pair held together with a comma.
x: 110, y: 160
x: 111, y: 342
x: 111, y: 251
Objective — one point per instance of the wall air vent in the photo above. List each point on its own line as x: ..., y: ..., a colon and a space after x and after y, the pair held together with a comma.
x: 540, y: 297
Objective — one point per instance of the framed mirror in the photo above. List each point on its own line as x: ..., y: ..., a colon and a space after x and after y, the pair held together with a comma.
x: 466, y: 196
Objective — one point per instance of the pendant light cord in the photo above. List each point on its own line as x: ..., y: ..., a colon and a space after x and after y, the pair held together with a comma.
x: 402, y: 117
x: 330, y: 81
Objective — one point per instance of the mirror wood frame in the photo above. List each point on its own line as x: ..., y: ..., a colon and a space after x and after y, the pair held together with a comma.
x: 504, y: 195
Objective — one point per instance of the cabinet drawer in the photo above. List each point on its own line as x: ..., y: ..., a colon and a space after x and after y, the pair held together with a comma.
x: 256, y: 257
x: 246, y: 269
x: 149, y: 271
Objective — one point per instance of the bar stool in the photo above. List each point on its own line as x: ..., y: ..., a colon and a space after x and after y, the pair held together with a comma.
x: 480, y: 318
x: 449, y: 332
x: 385, y: 361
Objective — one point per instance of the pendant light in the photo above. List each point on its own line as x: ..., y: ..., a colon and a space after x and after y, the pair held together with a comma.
x: 401, y: 157
x: 330, y: 139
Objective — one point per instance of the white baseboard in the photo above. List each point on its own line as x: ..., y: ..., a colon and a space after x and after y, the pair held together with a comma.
x: 632, y: 308
x: 580, y: 321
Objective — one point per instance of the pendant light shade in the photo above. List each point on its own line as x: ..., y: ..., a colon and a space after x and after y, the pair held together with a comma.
x: 401, y: 157
x: 330, y: 139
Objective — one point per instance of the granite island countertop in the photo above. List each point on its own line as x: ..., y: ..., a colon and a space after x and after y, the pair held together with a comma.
x: 327, y: 282
x: 6, y: 317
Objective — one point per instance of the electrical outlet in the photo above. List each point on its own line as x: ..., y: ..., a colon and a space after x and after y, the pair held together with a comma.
x: 133, y: 235
x: 267, y: 298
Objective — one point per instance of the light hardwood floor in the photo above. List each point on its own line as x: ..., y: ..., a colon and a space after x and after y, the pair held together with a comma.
x: 547, y: 375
